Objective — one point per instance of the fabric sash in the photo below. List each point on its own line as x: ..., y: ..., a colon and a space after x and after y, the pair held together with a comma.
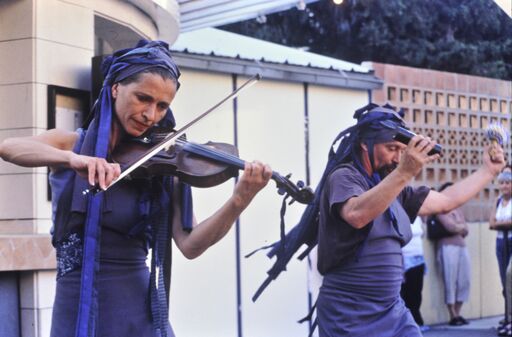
x: 368, y: 129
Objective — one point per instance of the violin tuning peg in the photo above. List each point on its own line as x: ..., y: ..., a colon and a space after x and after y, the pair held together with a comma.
x: 281, y: 191
x: 288, y: 175
x: 300, y: 184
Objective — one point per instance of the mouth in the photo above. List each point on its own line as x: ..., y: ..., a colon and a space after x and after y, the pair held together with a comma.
x: 386, y: 169
x: 141, y: 126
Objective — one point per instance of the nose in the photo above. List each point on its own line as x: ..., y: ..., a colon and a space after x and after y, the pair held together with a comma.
x: 398, y: 156
x: 149, y: 114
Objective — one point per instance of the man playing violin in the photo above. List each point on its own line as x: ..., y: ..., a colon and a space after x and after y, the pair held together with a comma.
x: 366, y: 208
x: 104, y: 287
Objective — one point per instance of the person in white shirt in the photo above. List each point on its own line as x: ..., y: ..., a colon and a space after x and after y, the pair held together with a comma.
x: 414, y: 270
x: 501, y: 221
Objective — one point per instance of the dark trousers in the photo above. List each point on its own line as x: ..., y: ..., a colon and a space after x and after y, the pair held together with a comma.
x: 503, y: 253
x: 411, y: 291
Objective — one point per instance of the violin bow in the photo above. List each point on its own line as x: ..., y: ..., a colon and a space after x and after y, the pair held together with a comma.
x: 170, y: 139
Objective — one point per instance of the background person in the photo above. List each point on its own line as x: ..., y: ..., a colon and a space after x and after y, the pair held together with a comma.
x: 501, y: 221
x: 455, y: 264
x: 414, y: 272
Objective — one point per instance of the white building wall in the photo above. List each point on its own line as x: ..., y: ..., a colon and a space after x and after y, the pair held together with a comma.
x: 271, y: 129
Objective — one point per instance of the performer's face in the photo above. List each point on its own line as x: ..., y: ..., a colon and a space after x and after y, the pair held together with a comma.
x: 505, y: 187
x: 387, y: 156
x: 141, y: 104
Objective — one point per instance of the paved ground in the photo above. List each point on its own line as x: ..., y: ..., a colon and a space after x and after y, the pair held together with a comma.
x: 485, y: 327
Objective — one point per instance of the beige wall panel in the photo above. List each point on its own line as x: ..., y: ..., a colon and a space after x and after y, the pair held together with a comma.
x: 121, y: 12
x: 16, y: 109
x: 45, y: 322
x: 198, y: 92
x: 330, y: 112
x: 36, y: 322
x: 471, y: 309
x: 24, y: 109
x: 432, y: 308
x: 65, y: 23
x: 37, y: 289
x: 63, y: 65
x: 42, y: 207
x: 203, y: 294
x: 210, y: 308
x: 17, y: 61
x: 29, y: 322
x: 41, y: 107
x: 16, y: 226
x: 271, y: 129
x: 17, y: 199
x: 490, y: 289
x: 8, y: 168
x: 16, y: 19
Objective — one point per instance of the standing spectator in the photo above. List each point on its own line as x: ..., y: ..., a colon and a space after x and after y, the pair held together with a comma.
x: 453, y: 257
x: 507, y: 327
x: 501, y: 221
x: 414, y: 270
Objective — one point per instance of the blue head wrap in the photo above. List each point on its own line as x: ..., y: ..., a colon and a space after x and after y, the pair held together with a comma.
x: 145, y: 56
x: 505, y: 176
x: 374, y: 125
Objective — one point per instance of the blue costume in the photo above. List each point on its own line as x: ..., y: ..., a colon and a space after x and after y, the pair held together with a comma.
x: 104, y: 287
x: 362, y: 268
x: 360, y: 295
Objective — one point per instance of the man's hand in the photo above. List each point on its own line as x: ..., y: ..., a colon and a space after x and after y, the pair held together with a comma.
x: 416, y: 156
x: 496, y: 163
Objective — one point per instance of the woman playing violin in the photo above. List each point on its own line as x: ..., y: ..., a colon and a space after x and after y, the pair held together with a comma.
x: 104, y: 287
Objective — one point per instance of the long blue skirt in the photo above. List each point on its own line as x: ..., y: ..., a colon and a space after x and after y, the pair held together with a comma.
x: 358, y: 305
x: 124, y: 308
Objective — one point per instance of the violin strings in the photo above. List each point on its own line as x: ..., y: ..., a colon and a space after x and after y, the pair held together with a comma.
x: 224, y: 156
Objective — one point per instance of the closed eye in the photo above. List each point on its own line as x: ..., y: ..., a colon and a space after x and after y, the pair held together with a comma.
x: 144, y: 98
x: 163, y: 106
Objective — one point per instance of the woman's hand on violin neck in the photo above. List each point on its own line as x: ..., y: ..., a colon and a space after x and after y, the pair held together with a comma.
x: 256, y: 176
x: 95, y: 170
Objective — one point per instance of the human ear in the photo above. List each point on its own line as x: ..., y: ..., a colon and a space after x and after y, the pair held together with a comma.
x: 114, y: 90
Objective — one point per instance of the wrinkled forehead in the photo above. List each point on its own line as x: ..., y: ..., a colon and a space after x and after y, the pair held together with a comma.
x: 394, y: 143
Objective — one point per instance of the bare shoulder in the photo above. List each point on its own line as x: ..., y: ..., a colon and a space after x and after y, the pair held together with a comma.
x: 58, y: 138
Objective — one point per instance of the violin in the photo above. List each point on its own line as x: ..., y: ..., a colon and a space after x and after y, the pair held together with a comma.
x: 199, y: 165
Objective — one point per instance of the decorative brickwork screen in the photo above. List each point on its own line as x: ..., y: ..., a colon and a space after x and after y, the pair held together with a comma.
x: 454, y: 110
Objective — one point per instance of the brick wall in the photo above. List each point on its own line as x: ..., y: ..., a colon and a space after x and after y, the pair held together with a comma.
x: 454, y: 110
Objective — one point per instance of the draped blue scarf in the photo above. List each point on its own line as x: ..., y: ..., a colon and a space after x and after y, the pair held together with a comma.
x: 117, y: 67
x: 369, y: 130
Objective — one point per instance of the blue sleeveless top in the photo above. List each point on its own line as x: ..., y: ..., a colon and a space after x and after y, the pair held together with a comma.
x: 125, y: 215
x: 128, y: 211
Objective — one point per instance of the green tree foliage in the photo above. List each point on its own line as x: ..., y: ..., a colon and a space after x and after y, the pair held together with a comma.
x: 463, y: 36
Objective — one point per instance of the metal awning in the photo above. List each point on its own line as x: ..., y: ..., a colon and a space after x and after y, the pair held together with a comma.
x: 196, y: 14
x: 215, y: 50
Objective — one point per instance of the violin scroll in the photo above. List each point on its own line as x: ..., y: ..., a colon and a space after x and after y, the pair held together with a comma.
x: 299, y: 192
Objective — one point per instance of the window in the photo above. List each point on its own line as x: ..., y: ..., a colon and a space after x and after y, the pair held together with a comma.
x: 67, y: 109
